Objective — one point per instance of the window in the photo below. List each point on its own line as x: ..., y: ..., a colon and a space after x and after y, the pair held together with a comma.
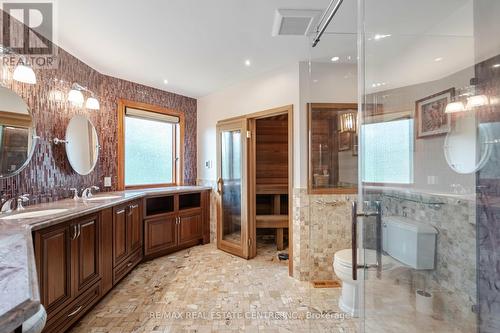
x: 388, y: 152
x: 150, y: 146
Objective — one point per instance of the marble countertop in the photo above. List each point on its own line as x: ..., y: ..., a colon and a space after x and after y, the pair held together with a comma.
x: 19, y: 296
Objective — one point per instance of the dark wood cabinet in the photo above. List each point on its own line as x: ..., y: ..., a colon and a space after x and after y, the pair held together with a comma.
x: 171, y: 227
x: 80, y: 260
x: 85, y: 253
x: 53, y: 261
x: 68, y: 264
x: 161, y: 234
x: 127, y: 238
x: 134, y: 227
x: 190, y: 226
x: 120, y: 250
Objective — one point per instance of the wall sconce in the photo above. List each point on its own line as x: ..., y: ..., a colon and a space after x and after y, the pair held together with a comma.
x: 477, y: 101
x: 92, y: 103
x: 455, y: 107
x: 468, y: 100
x: 347, y: 122
x: 75, y: 95
x: 24, y: 73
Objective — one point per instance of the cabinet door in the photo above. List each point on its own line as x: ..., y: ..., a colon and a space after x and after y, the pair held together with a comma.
x: 161, y: 234
x: 134, y: 226
x: 85, y: 253
x: 53, y: 260
x: 120, y: 246
x: 190, y: 227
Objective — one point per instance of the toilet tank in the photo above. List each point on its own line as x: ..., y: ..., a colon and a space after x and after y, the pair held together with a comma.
x: 409, y: 242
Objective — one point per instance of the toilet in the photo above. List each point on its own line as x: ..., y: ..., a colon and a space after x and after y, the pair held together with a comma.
x: 405, y: 243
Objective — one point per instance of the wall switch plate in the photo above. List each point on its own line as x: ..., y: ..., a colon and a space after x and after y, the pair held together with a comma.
x: 208, y: 164
x: 107, y: 181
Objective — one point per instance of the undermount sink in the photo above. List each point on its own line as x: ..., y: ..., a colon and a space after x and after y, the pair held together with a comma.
x: 33, y: 214
x: 103, y: 197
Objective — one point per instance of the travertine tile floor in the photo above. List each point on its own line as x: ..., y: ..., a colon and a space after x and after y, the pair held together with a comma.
x: 203, y: 289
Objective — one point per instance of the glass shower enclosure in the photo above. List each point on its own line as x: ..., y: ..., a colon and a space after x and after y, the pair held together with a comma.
x: 423, y: 234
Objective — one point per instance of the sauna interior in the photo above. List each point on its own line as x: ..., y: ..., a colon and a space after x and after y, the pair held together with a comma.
x: 272, y: 179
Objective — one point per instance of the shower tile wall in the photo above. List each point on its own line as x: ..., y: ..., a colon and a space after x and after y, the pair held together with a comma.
x: 453, y: 281
x: 49, y: 175
x: 320, y: 229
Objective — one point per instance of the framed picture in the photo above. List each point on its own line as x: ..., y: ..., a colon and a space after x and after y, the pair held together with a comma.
x: 355, y: 144
x: 344, y: 141
x: 430, y: 118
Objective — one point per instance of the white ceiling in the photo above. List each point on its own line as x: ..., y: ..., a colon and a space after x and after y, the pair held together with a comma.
x: 201, y: 46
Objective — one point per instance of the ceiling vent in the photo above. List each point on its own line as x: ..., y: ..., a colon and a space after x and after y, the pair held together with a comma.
x: 295, y: 22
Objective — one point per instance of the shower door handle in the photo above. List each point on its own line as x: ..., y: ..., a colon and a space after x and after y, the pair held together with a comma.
x: 354, y: 244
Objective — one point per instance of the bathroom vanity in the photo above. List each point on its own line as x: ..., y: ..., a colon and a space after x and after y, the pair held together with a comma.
x: 88, y: 246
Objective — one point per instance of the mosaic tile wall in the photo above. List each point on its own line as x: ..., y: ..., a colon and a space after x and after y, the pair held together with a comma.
x: 453, y: 281
x: 321, y: 227
x: 49, y: 175
x: 321, y: 230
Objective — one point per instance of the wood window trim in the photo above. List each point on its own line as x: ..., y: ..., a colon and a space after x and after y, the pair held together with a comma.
x: 178, y: 143
x: 326, y: 106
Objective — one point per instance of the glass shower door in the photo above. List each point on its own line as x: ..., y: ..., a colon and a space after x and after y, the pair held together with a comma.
x: 232, y: 227
x: 428, y: 138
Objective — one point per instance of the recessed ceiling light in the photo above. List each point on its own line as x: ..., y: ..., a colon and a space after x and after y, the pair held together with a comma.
x: 438, y: 59
x: 496, y: 66
x: 379, y: 36
x: 335, y: 59
x: 248, y: 63
x: 165, y: 81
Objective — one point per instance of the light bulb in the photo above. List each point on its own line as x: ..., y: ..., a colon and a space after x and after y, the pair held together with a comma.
x: 477, y: 101
x: 454, y: 107
x: 92, y: 103
x: 24, y: 74
x: 76, y: 97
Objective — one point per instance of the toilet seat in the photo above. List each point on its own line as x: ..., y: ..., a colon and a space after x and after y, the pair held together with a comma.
x: 342, y: 266
x: 367, y: 256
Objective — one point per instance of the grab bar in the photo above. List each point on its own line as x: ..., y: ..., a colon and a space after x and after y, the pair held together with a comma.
x: 354, y: 243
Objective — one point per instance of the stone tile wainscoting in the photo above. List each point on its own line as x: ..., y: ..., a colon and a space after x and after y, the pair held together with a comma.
x: 453, y: 281
x: 321, y: 227
x: 49, y: 175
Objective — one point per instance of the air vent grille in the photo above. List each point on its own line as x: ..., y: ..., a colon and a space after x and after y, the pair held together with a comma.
x: 293, y: 22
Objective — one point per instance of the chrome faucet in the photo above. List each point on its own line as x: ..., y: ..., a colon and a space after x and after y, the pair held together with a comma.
x: 75, y: 193
x: 7, y: 206
x: 87, y: 193
x: 405, y: 211
x: 22, y: 198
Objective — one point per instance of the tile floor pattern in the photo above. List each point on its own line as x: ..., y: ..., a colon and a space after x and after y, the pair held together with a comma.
x: 203, y: 289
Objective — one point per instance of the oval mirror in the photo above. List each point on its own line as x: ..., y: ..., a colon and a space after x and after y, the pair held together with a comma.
x: 17, y: 133
x: 466, y: 147
x: 82, y: 145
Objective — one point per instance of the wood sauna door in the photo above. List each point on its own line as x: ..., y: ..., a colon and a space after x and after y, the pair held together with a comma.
x: 233, y: 234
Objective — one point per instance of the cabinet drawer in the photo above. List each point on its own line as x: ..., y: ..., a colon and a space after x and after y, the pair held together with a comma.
x: 124, y: 268
x: 70, y: 314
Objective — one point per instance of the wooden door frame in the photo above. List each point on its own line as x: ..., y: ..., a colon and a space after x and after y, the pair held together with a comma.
x: 239, y: 123
x: 250, y: 119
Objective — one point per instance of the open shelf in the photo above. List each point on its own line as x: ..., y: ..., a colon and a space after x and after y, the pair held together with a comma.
x: 159, y: 205
x: 190, y: 200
